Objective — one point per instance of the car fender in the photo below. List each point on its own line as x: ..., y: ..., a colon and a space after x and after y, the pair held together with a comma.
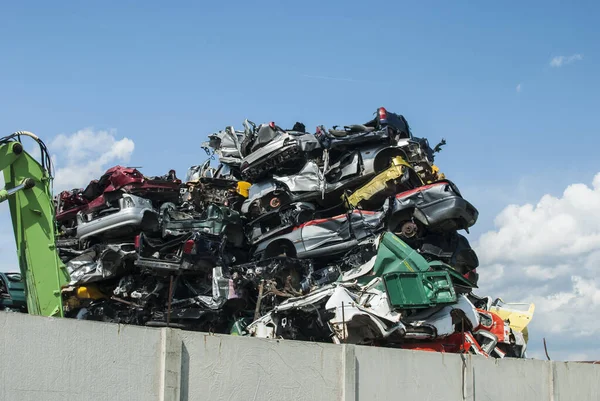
x: 371, y: 155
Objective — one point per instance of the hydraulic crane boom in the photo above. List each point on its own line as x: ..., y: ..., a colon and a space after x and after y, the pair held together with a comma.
x: 29, y: 195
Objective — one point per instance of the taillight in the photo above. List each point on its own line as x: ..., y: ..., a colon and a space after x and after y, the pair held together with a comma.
x: 137, y: 242
x: 382, y: 115
x: 272, y: 124
x: 318, y: 130
x: 188, y: 247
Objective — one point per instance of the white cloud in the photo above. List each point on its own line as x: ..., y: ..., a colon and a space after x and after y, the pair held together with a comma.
x: 518, y: 88
x: 77, y: 158
x: 85, y: 155
x: 549, y: 253
x: 559, y: 61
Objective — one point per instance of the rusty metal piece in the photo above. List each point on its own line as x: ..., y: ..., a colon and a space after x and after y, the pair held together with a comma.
x: 261, y: 288
x: 270, y: 287
x: 289, y: 288
x: 114, y: 298
x: 409, y: 229
x: 275, y: 202
x: 546, y: 350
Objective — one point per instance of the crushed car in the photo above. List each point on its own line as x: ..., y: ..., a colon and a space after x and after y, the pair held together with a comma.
x: 323, y: 237
x: 12, y: 292
x: 269, y: 147
x: 350, y: 235
x: 119, y: 203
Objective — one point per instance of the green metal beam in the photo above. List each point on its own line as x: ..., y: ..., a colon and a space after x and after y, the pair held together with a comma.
x: 27, y: 189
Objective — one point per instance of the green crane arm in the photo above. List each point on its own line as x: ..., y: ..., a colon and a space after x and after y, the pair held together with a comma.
x: 29, y: 195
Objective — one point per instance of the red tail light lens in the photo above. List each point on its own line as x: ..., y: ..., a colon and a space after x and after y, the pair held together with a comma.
x: 272, y: 124
x: 137, y: 242
x: 382, y: 114
x: 188, y: 246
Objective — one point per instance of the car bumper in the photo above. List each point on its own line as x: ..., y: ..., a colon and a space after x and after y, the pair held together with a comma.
x: 452, y: 208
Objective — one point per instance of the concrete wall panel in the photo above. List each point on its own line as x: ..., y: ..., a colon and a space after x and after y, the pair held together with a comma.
x: 386, y: 374
x: 240, y: 369
x: 576, y: 381
x: 63, y: 359
x: 508, y: 379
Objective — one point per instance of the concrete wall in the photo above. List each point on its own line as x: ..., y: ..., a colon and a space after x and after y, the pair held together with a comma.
x: 240, y: 368
x: 62, y: 359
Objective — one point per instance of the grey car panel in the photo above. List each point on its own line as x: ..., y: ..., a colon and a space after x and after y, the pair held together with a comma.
x: 310, y: 182
x: 327, y: 236
x: 284, y: 147
x: 132, y: 211
x: 227, y: 144
x: 437, y: 205
x: 307, y: 179
x: 282, y: 142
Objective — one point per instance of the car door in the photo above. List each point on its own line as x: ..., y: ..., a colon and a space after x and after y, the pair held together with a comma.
x: 325, y: 232
x: 365, y: 223
x: 346, y: 166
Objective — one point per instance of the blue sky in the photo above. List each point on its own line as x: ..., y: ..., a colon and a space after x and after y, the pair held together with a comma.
x: 479, y: 74
x: 165, y: 76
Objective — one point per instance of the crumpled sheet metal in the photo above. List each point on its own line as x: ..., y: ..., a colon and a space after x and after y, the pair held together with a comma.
x: 226, y: 144
x: 443, y: 320
x: 307, y: 180
x: 362, y: 311
x: 384, y: 180
x: 356, y: 323
x: 308, y: 192
x: 99, y: 263
x: 223, y: 290
x: 362, y: 314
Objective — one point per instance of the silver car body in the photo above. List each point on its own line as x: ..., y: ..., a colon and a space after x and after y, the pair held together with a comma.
x: 282, y: 142
x: 229, y: 145
x: 308, y: 180
x: 325, y: 236
x: 132, y: 210
x: 442, y: 321
x: 311, y: 179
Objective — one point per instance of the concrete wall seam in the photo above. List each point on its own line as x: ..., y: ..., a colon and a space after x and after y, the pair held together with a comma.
x: 170, y: 365
x: 348, y: 378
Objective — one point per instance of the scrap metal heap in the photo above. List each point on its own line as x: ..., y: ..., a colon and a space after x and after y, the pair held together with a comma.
x: 347, y: 235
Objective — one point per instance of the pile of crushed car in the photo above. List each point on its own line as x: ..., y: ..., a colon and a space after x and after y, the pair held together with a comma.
x: 347, y: 235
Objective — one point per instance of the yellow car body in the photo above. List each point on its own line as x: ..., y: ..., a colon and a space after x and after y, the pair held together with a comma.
x: 381, y: 181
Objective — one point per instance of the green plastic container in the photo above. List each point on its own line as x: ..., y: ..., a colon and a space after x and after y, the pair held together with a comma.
x: 395, y: 255
x: 413, y: 290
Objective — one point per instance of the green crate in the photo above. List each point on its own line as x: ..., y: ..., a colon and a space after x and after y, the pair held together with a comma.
x: 411, y: 290
x: 395, y: 255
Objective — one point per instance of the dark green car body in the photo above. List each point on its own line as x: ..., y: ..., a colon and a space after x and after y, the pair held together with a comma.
x: 12, y: 292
